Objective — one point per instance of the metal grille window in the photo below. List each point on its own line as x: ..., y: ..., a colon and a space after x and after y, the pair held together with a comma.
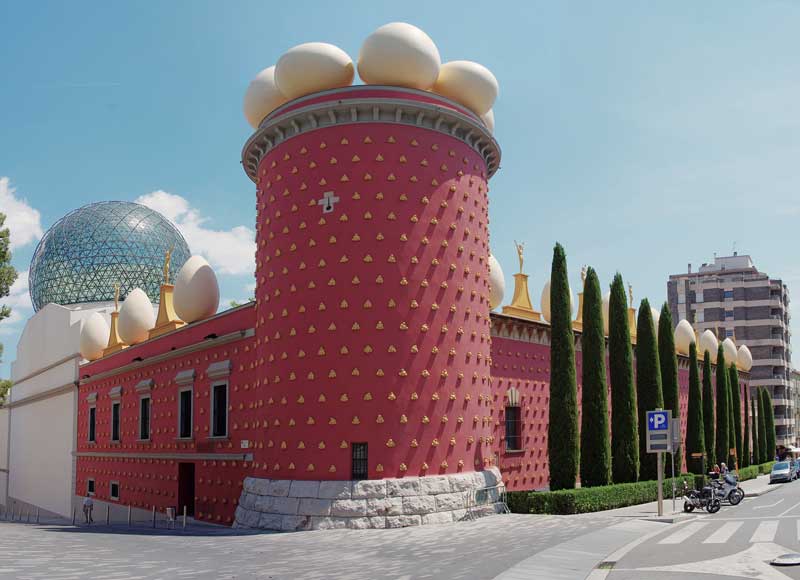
x: 513, y: 429
x: 219, y: 411
x: 185, y: 412
x: 360, y: 461
x: 144, y: 418
x: 92, y: 424
x: 115, y: 421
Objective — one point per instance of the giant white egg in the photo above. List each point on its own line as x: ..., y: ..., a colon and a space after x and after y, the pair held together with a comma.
x: 262, y: 97
x: 744, y: 358
x: 731, y: 354
x: 545, y: 301
x: 313, y: 67
x: 708, y: 342
x: 684, y: 337
x: 196, y: 294
x: 488, y: 120
x: 94, y: 336
x: 469, y: 83
x: 399, y: 54
x: 136, y: 317
x: 497, y: 282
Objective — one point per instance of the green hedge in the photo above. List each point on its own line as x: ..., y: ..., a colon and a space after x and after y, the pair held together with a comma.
x: 590, y: 499
x: 766, y: 467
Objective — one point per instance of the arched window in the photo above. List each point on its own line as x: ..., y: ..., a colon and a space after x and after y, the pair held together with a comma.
x: 513, y: 421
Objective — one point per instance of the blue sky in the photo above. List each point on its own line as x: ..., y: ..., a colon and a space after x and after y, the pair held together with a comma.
x: 642, y: 136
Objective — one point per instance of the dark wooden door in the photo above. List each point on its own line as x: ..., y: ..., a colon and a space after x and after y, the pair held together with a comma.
x: 186, y: 488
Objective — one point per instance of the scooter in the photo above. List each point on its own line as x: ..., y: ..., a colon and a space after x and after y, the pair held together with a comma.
x: 727, y: 488
x: 703, y: 499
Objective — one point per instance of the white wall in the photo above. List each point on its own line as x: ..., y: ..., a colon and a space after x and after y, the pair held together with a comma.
x: 3, y: 454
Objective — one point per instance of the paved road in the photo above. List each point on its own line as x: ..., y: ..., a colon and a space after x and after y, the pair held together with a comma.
x: 736, y: 542
x: 468, y: 550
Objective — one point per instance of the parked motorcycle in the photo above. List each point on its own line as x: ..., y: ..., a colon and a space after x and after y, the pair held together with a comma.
x: 703, y: 499
x: 727, y: 489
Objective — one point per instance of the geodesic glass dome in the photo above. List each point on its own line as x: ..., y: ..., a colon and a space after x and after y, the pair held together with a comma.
x: 90, y: 249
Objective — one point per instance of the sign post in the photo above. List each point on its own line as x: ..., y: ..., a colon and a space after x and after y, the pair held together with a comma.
x: 676, y: 445
x: 659, y: 441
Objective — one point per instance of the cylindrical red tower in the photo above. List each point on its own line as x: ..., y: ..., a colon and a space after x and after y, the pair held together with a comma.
x: 372, y: 285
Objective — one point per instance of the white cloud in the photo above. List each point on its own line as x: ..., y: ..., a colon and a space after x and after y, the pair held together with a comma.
x: 23, y: 221
x: 19, y: 300
x: 228, y: 251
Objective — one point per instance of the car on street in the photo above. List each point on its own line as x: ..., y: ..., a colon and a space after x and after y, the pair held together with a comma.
x: 782, y: 471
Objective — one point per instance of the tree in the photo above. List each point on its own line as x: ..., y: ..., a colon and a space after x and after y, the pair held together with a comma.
x: 736, y: 407
x: 745, y: 461
x: 695, y: 437
x: 7, y: 277
x: 709, y: 425
x: 648, y: 385
x: 595, y: 448
x: 769, y: 425
x: 562, y: 438
x: 624, y: 423
x: 763, y: 444
x: 754, y: 421
x: 669, y: 373
x: 723, y: 413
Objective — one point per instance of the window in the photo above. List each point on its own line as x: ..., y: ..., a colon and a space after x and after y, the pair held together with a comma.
x: 144, y: 418
x: 90, y: 486
x: 513, y: 429
x: 92, y: 424
x: 219, y: 410
x: 699, y: 296
x: 185, y: 414
x: 360, y: 461
x: 701, y: 316
x: 115, y: 421
x: 681, y: 298
x: 114, y: 490
x: 729, y: 333
x: 729, y: 314
x: 728, y: 294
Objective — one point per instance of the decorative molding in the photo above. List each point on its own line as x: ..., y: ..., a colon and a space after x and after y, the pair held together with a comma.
x: 176, y: 456
x: 75, y: 356
x: 219, y: 369
x: 359, y: 110
x: 91, y: 397
x: 144, y: 386
x: 41, y: 396
x: 185, y: 377
x: 115, y: 392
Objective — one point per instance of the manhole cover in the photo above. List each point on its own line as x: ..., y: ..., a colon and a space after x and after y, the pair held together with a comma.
x: 787, y: 560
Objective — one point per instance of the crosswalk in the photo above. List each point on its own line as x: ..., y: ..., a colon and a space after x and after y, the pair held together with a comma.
x: 749, y: 531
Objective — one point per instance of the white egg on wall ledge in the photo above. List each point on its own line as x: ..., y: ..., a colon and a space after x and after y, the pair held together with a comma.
x: 744, y: 359
x: 399, y: 54
x: 684, y: 337
x: 136, y: 317
x: 497, y: 282
x: 545, y: 301
x: 196, y: 294
x: 708, y: 342
x: 469, y: 83
x: 313, y: 67
x: 94, y: 336
x: 729, y: 349
x: 262, y: 97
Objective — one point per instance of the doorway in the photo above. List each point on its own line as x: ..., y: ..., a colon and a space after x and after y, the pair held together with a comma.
x: 186, y: 488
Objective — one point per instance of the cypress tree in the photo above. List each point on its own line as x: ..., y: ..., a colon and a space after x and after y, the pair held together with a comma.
x: 723, y: 413
x: 562, y: 437
x: 745, y: 460
x: 763, y: 444
x: 769, y: 423
x: 736, y: 407
x: 695, y: 437
x: 754, y: 422
x: 648, y: 385
x: 669, y: 374
x: 624, y: 424
x: 731, y: 435
x: 595, y: 439
x: 709, y: 425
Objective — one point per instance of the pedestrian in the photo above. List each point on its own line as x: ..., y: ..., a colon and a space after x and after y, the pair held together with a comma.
x: 723, y: 469
x: 88, y: 505
x: 715, y: 472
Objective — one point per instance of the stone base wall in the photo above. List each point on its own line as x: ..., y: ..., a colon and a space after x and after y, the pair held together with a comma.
x: 294, y: 505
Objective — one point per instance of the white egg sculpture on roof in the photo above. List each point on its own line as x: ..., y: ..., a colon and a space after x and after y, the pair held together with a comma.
x: 731, y: 354
x: 488, y: 120
x: 94, y: 336
x: 684, y: 337
x: 469, y: 83
x: 497, y: 282
x: 744, y: 358
x: 313, y: 67
x: 262, y: 97
x: 196, y: 290
x: 136, y: 317
x: 708, y: 342
x: 545, y: 301
x: 399, y: 54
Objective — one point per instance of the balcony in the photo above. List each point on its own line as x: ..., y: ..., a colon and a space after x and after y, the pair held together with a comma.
x: 784, y: 421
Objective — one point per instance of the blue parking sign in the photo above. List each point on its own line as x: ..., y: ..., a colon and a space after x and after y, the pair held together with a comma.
x: 658, y: 420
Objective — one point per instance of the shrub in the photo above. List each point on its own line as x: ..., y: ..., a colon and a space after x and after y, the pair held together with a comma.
x: 648, y: 384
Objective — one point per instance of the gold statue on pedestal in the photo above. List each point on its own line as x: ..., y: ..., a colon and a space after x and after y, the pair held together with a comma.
x: 577, y: 324
x: 167, y: 318
x: 521, y: 306
x: 631, y: 314
x: 520, y: 250
x: 115, y: 343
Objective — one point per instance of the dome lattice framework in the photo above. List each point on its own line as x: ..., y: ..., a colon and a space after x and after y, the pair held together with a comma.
x: 92, y: 248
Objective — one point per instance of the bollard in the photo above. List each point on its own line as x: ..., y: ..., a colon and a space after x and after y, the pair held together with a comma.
x: 108, y: 514
x: 129, y: 515
x: 73, y: 515
x: 184, y: 517
x: 154, y: 516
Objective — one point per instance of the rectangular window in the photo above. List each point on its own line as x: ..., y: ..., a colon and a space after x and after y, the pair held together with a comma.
x: 701, y: 316
x: 115, y: 421
x: 185, y: 414
x: 114, y: 492
x: 513, y: 429
x: 219, y: 410
x: 699, y: 297
x: 729, y: 333
x: 729, y: 314
x: 360, y: 461
x: 681, y: 298
x: 90, y: 486
x: 144, y: 418
x: 728, y: 294
x: 92, y: 424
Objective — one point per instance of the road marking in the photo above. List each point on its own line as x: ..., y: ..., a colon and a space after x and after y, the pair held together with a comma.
x: 683, y: 534
x: 763, y: 507
x: 783, y: 513
x: 765, y: 532
x: 724, y: 533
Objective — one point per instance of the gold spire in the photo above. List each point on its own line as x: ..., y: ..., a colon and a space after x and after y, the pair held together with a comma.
x: 167, y: 318
x: 115, y: 343
x: 577, y: 324
x: 521, y: 306
x: 631, y: 314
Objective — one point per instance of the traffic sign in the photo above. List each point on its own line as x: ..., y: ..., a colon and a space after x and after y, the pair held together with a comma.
x: 658, y: 437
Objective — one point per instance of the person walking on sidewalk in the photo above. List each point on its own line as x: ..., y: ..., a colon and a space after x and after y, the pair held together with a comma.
x: 88, y: 506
